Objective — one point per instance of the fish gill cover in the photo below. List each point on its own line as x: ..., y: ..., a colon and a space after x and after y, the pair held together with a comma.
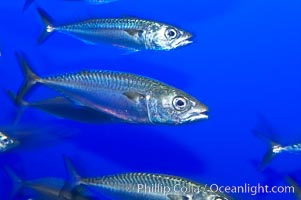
x: 106, y: 85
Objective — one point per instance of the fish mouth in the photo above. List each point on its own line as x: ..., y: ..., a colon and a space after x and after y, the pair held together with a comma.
x: 198, y: 116
x: 203, y: 115
x: 185, y: 40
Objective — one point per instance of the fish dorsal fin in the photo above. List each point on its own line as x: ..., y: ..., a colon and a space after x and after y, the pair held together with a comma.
x: 134, y: 96
x: 177, y: 197
x: 134, y: 32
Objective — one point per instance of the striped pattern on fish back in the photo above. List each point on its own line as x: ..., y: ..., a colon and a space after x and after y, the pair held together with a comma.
x: 112, y: 23
x: 111, y: 80
x: 127, y: 180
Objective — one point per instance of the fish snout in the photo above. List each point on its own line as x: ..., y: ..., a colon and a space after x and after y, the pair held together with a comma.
x: 198, y: 112
x: 185, y: 39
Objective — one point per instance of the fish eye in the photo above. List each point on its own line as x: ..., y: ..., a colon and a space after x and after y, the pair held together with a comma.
x: 179, y: 103
x: 170, y: 33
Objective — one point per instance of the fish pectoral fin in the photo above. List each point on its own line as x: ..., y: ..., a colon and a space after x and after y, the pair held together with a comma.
x: 134, y: 32
x: 177, y: 197
x: 134, y: 96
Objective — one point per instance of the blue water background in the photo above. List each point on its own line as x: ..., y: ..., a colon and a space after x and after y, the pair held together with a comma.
x: 245, y: 61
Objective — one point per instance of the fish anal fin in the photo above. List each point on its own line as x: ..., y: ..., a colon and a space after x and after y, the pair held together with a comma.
x: 134, y: 96
x: 177, y: 197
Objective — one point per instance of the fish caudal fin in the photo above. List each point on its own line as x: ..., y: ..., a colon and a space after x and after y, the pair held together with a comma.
x: 30, y: 79
x: 73, y: 182
x: 267, y: 159
x: 73, y: 179
x: 13, y: 98
x: 27, y: 4
x: 17, y: 182
x: 22, y: 103
x: 48, y: 23
x: 297, y: 189
x: 274, y: 149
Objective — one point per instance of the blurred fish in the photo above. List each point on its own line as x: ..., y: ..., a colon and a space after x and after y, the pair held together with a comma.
x: 16, y: 136
x: 128, y: 97
x: 26, y: 136
x: 95, y: 2
x: 297, y: 188
x: 128, y: 33
x: 146, y: 186
x: 28, y: 3
x: 7, y: 142
x: 64, y: 108
x: 45, y: 188
x: 275, y: 148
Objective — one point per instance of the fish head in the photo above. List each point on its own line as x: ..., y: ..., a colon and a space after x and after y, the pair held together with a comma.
x: 6, y: 142
x: 165, y: 37
x: 172, y: 106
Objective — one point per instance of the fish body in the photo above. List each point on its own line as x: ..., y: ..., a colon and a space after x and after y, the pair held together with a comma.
x: 64, y: 108
x: 147, y: 186
x: 144, y: 186
x: 7, y: 142
x: 124, y: 96
x: 129, y: 33
x: 277, y: 148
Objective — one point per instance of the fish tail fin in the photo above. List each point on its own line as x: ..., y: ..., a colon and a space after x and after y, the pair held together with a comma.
x: 73, y: 182
x: 292, y: 181
x: 22, y: 103
x: 27, y: 4
x: 268, y: 157
x: 16, y: 180
x: 13, y: 98
x: 271, y: 152
x: 30, y: 79
x: 48, y: 23
x: 73, y: 178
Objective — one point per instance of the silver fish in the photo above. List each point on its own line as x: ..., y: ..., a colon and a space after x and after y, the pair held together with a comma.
x: 45, y: 188
x: 7, y: 142
x: 64, y: 108
x: 28, y: 3
x: 146, y: 186
x: 128, y: 97
x: 129, y: 33
x: 94, y: 2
